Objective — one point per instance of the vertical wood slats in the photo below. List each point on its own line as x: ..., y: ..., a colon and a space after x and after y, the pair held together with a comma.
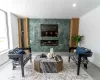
x: 19, y: 33
x: 26, y: 32
x: 71, y: 33
x: 74, y: 29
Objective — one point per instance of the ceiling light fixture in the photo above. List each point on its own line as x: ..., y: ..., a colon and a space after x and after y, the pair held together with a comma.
x: 74, y: 5
x: 24, y: 6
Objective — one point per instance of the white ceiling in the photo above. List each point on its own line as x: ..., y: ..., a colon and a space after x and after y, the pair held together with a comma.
x: 49, y: 8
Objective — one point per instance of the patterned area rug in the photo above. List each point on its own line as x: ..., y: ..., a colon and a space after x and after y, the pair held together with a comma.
x: 68, y: 73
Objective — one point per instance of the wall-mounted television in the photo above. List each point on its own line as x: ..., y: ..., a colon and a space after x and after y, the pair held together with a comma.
x: 49, y: 30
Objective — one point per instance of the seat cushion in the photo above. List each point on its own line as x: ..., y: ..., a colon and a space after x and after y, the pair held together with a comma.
x: 20, y: 52
x: 81, y: 50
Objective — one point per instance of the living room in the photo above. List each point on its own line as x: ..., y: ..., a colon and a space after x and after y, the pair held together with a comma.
x: 45, y: 27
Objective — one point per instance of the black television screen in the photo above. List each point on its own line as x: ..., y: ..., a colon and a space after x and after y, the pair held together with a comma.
x: 50, y: 30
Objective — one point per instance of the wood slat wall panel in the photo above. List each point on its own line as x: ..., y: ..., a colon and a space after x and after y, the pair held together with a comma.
x: 70, y: 32
x: 74, y: 29
x: 26, y: 33
x: 19, y: 33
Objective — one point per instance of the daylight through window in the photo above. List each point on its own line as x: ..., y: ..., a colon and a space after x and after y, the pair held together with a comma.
x: 3, y: 31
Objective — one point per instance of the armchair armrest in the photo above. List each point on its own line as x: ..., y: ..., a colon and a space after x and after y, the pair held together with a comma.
x: 86, y: 54
x: 72, y: 48
x: 26, y: 49
x: 14, y: 56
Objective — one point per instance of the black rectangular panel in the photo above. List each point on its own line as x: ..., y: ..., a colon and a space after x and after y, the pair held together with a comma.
x: 49, y: 30
x: 49, y: 43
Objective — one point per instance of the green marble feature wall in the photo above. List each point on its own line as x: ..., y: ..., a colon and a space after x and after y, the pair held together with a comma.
x: 35, y: 34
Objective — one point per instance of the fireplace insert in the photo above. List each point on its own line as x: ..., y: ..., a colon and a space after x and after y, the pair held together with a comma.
x: 49, y: 42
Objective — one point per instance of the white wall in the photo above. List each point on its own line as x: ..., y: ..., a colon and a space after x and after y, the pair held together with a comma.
x: 14, y: 27
x: 13, y: 30
x: 4, y: 57
x: 90, y: 28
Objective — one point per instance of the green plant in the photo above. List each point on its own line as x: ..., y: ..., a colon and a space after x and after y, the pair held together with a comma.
x: 77, y: 38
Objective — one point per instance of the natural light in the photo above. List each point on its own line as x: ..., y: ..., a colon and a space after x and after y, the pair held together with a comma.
x: 3, y: 32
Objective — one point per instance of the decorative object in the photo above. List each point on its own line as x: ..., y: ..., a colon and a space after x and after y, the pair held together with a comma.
x: 49, y: 55
x: 68, y: 73
x: 77, y: 39
x: 43, y: 56
x: 53, y: 55
x: 52, y: 52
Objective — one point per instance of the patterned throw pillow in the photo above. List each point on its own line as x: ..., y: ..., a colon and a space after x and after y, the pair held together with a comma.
x: 11, y: 52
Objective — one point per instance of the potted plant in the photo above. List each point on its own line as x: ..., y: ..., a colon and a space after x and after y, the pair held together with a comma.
x: 77, y: 39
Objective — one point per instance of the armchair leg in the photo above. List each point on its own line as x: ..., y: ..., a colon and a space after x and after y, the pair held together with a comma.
x: 69, y: 59
x: 85, y: 65
x: 22, y: 68
x: 13, y: 64
x: 86, y: 62
x: 14, y: 67
x: 30, y: 60
x: 78, y: 67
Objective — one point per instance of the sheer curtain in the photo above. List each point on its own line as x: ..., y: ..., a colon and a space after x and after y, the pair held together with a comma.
x: 3, y: 31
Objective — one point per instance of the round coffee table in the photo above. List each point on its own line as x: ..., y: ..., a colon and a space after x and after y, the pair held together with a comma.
x: 45, y: 65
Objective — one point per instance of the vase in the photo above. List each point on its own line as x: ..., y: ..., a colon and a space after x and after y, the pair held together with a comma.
x: 49, y: 55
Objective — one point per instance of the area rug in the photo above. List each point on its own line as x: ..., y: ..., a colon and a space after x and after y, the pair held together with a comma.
x: 69, y: 72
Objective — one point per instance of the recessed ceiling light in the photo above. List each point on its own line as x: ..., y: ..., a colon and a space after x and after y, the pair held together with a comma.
x: 74, y: 5
x: 24, y: 6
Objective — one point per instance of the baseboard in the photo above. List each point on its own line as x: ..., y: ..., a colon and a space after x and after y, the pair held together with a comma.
x: 97, y: 63
x: 4, y: 58
x: 4, y: 63
x: 94, y: 62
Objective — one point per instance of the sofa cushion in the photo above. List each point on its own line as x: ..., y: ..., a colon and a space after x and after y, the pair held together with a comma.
x: 82, y: 50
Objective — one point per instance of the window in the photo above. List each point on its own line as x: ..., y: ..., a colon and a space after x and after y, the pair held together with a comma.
x: 3, y: 31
